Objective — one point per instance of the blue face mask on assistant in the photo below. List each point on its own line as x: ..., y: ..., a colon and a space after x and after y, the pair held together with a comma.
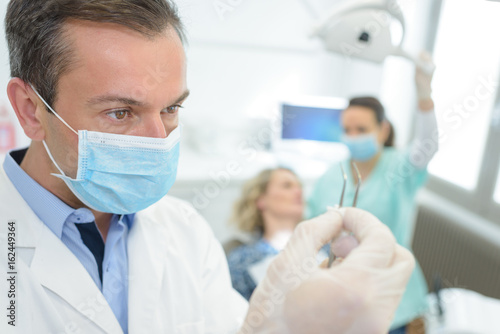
x: 121, y: 174
x: 363, y: 147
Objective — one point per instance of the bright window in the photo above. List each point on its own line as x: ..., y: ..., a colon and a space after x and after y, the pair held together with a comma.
x: 467, y: 56
x: 497, y: 190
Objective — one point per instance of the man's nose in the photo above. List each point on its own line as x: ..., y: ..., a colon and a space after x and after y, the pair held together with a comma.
x: 155, y: 127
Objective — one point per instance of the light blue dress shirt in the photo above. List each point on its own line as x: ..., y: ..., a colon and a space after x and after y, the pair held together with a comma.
x: 61, y: 219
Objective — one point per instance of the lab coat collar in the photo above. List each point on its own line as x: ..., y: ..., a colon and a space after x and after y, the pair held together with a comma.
x: 53, y: 263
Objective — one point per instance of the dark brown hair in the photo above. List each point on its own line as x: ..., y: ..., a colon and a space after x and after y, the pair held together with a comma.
x: 38, y: 50
x: 379, y: 110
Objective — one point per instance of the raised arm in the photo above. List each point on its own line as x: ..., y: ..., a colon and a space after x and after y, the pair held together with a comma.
x: 425, y: 143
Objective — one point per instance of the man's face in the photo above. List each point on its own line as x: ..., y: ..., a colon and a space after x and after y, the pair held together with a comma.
x: 122, y: 83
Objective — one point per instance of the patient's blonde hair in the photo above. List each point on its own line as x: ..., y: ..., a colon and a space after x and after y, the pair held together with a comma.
x: 246, y: 215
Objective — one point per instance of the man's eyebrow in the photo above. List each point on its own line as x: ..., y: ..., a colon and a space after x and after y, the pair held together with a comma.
x: 182, y: 97
x: 126, y: 100
x: 113, y: 98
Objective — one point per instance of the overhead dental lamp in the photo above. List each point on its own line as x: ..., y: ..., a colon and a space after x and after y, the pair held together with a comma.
x: 364, y: 29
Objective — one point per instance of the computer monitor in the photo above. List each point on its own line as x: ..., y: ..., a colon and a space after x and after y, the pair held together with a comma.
x: 316, y: 119
x: 310, y: 131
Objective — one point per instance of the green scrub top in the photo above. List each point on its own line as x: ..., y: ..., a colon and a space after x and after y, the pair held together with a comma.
x: 389, y: 194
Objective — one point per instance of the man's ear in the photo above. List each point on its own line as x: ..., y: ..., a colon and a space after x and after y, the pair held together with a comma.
x: 24, y: 102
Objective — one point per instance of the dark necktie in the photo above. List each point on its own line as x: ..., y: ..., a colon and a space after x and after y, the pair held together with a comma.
x: 93, y: 240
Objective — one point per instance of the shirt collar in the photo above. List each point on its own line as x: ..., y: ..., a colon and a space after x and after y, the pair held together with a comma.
x: 49, y: 208
x: 128, y: 220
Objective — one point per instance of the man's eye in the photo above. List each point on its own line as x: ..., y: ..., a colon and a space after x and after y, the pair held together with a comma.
x: 118, y: 114
x: 173, y: 109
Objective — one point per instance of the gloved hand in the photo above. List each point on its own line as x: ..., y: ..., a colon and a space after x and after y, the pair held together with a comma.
x: 423, y: 78
x: 357, y: 295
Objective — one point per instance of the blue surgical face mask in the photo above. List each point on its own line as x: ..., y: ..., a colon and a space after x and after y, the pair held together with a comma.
x: 121, y: 174
x: 363, y: 147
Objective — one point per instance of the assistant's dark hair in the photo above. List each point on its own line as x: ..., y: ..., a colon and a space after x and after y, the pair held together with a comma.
x: 379, y: 110
x: 39, y: 51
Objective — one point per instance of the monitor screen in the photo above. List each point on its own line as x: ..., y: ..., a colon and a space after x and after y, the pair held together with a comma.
x: 311, y: 123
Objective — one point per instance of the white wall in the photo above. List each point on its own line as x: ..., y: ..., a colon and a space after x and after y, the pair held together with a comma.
x: 244, y: 60
x: 241, y: 64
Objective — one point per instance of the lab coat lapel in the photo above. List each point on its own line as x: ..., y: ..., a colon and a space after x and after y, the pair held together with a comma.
x: 146, y: 264
x: 60, y: 271
x: 56, y: 268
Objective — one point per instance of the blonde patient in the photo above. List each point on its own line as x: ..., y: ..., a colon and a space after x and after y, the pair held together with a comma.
x: 270, y: 208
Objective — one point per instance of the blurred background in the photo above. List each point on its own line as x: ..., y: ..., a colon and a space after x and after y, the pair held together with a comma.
x: 254, y: 73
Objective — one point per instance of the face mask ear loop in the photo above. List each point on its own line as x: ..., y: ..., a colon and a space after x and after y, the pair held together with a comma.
x: 52, y: 159
x: 50, y: 108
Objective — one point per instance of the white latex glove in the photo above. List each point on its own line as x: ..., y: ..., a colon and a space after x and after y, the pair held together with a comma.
x: 357, y: 295
x: 423, y: 78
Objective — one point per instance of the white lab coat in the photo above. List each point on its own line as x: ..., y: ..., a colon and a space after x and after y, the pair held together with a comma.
x: 178, y: 283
